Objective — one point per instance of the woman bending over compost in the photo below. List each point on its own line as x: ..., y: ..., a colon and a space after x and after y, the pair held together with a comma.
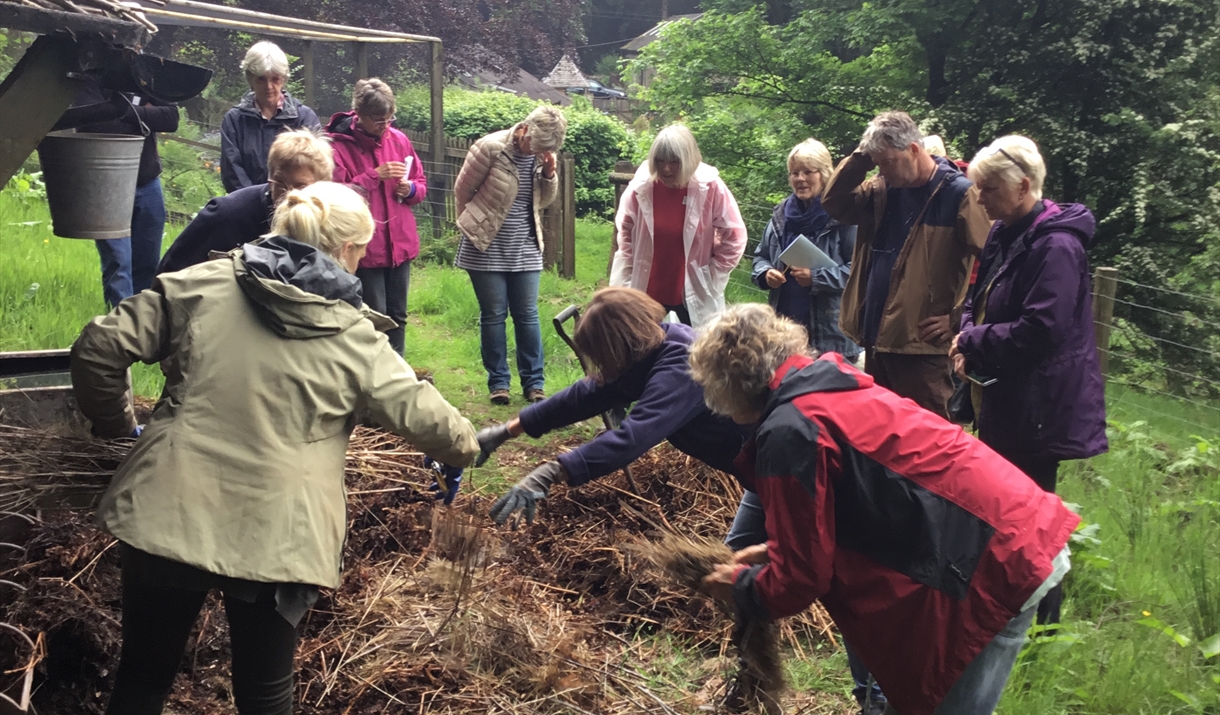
x: 237, y: 481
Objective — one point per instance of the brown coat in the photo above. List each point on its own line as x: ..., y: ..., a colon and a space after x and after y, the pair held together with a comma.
x: 487, y: 184
x: 932, y: 272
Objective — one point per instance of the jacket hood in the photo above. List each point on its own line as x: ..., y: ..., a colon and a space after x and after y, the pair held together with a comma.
x: 1070, y: 218
x: 800, y: 375
x: 300, y: 292
x: 288, y: 109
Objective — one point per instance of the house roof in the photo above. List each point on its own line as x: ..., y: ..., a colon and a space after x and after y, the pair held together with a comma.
x: 566, y: 74
x: 518, y: 82
x: 645, y: 39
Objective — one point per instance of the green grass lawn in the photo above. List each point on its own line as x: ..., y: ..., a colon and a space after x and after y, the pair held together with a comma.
x: 1143, y: 599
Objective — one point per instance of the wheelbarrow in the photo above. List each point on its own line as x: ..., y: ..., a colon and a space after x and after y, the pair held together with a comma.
x: 611, y: 418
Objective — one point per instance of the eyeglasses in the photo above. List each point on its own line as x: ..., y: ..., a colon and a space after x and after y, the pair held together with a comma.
x: 380, y: 122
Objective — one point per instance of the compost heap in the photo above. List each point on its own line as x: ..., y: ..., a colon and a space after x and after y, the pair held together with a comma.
x: 438, y: 610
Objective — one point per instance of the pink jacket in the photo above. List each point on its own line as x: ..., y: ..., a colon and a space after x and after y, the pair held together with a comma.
x: 714, y: 235
x: 357, y: 156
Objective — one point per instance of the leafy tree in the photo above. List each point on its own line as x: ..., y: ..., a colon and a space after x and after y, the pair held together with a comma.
x: 1119, y: 94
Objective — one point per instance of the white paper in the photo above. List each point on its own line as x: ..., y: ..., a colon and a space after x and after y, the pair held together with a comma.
x: 801, y: 253
x: 408, y: 161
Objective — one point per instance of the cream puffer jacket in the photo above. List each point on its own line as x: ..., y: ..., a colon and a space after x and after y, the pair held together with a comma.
x: 487, y: 185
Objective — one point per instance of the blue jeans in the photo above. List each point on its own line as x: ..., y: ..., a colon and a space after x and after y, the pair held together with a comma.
x: 385, y: 291
x: 980, y: 686
x: 499, y: 293
x: 750, y: 528
x: 129, y: 264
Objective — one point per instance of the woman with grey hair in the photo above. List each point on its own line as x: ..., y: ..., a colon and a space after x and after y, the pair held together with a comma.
x: 507, y: 179
x: 929, y: 550
x: 1026, y: 343
x: 249, y: 128
x: 380, y: 162
x: 683, y: 264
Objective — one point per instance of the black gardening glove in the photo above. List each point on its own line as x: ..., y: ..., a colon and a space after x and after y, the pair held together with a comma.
x: 526, y: 494
x: 490, y: 439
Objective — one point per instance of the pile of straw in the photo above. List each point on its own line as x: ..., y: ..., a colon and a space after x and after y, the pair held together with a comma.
x: 438, y: 610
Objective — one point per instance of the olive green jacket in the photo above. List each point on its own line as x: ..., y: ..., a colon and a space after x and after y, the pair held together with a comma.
x: 239, y: 470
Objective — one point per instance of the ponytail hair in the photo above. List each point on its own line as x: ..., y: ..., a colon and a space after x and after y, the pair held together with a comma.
x: 324, y: 215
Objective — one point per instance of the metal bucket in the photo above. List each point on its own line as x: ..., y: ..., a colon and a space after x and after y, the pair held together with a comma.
x: 91, y: 182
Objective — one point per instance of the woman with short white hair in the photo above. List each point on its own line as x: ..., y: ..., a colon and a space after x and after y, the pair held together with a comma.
x: 507, y: 179
x: 679, y: 231
x: 808, y: 297
x: 236, y: 483
x: 1026, y: 343
x: 250, y: 127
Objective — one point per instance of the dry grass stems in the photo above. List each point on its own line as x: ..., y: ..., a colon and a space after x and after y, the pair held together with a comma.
x: 438, y: 611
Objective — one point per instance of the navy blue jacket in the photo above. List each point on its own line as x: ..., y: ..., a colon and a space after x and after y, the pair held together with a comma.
x: 668, y: 406
x: 224, y: 224
x: 838, y: 241
x: 246, y: 138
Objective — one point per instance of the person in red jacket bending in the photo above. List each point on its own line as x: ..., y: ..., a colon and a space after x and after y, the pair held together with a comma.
x: 928, y: 549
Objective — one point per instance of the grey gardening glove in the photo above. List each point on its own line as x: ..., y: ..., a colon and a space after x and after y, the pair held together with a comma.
x: 490, y: 439
x: 527, y: 492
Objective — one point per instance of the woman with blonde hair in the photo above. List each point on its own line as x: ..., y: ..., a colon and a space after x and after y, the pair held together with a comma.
x: 379, y: 161
x: 1026, y: 343
x: 679, y: 231
x: 298, y: 158
x: 507, y: 179
x: 808, y: 297
x: 236, y: 483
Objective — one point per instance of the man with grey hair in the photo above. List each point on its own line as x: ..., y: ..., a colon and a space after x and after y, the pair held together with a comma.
x: 250, y: 127
x: 920, y: 227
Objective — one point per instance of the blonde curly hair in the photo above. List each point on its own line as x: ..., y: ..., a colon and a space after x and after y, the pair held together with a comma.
x: 737, y: 354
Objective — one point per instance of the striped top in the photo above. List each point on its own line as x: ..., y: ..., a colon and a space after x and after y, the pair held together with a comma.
x: 515, y: 247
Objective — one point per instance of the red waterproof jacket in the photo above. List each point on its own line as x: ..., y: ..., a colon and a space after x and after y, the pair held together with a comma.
x: 357, y: 156
x: 920, y: 540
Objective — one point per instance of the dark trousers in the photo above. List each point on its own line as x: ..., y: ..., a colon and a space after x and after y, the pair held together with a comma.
x: 1045, y: 473
x: 158, y: 621
x: 926, y: 379
x: 385, y: 291
x: 680, y: 311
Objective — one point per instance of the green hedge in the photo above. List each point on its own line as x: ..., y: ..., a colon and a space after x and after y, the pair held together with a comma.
x: 595, y: 140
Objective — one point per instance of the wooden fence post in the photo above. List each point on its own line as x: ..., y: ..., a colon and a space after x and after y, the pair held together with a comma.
x: 438, y: 178
x: 1105, y: 287
x: 362, y: 60
x: 568, y: 194
x: 307, y: 59
x: 623, y: 173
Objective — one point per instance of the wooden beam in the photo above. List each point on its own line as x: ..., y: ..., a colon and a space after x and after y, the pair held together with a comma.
x: 72, y: 24
x: 32, y: 97
x: 362, y: 60
x: 310, y: 87
x: 1105, y: 287
x: 438, y: 178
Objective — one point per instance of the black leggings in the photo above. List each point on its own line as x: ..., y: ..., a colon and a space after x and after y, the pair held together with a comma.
x: 1045, y: 473
x: 157, y: 622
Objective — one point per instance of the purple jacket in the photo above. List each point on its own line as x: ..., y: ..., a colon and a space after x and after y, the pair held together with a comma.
x: 357, y: 156
x: 1037, y: 340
